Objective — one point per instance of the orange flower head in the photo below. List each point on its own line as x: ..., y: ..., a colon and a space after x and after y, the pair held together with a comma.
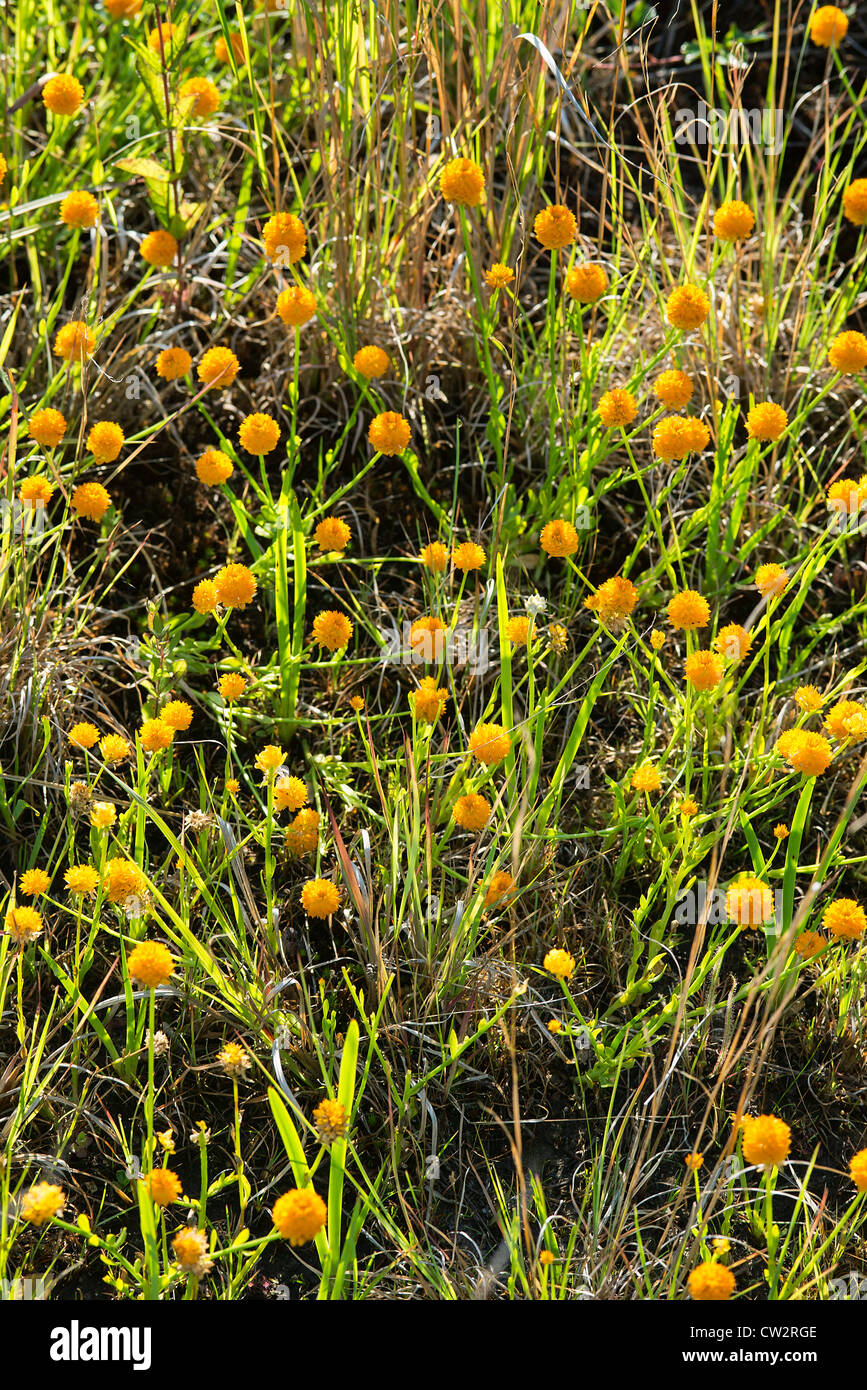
x: 687, y: 307
x: 389, y: 433
x: 463, y: 182
x: 218, y: 368
x: 371, y: 362
x: 174, y: 363
x: 586, y: 283
x: 79, y: 210
x: 555, y: 227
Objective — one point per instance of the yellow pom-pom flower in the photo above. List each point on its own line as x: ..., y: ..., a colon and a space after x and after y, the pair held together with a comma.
x: 766, y: 1140
x: 218, y: 368
x: 490, y: 743
x: 471, y: 811
x: 299, y: 1215
x: 848, y: 353
x: 559, y: 538
x: 733, y: 221
x: 42, y: 1203
x: 296, y: 306
x: 285, y: 239
x: 389, y: 433
x: 586, y: 283
x: 151, y: 964
x: 845, y: 919
x: 689, y: 610
x: 332, y: 534
x: 703, y: 670
x: 766, y: 421
x: 711, y: 1283
x: 79, y: 210
x: 749, y: 901
x: 462, y: 181
x: 371, y: 362
x: 555, y: 227
x: 105, y: 441
x: 236, y: 586
x: 47, y: 428
x: 687, y: 307
x: 559, y: 963
x: 159, y: 248
x: 828, y: 26
x: 320, y: 897
x: 332, y: 629
x: 204, y: 94
x: 213, y: 468
x: 74, y: 341
x: 259, y: 433
x: 617, y: 407
x: 173, y: 363
x: 674, y: 389
x: 62, y: 95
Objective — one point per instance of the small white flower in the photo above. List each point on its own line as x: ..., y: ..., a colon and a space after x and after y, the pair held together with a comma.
x: 535, y: 605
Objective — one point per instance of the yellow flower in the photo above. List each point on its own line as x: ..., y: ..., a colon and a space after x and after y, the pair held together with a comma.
x: 858, y: 1170
x: 646, y: 778
x: 299, y: 1215
x: 63, y: 95
x: 47, y: 427
x: 694, y: 1162
x: 586, y: 283
x: 371, y: 362
x: 809, y: 944
x: 221, y: 49
x: 155, y: 735
x: 270, y: 758
x: 3, y: 168
x: 206, y: 97
x: 771, y: 580
x: 320, y: 897
x: 151, y: 964
x: 36, y: 491
x: 828, y: 26
x: 162, y: 38
x: 285, y: 238
x: 808, y: 698
x: 113, y: 748
x: 213, y: 468
x: 235, y: 585
x: 851, y: 491
x: 42, y: 1203
x: 749, y: 901
x: 105, y: 441
x: 501, y: 883
x: 617, y: 407
x: 357, y: 703
x: 559, y: 963
x: 468, y: 556
x: 428, y: 702
x: 498, y: 276
x: 232, y: 686
x: 205, y: 597
x: 233, y: 786
x: 518, y: 630
x: 855, y: 202
x: 177, y: 714
x: 547, y: 1257
x: 330, y: 1118
x: 490, y: 743
x: 332, y: 534
x: 296, y: 306
x: 674, y: 389
x: 766, y: 421
x: 688, y: 610
x: 90, y: 500
x: 389, y: 433
x: 173, y: 363
x: 471, y: 811
x: 733, y: 221
x: 555, y: 227
x: 163, y: 1186
x: 614, y: 600
x: 259, y: 433
x: 462, y: 181
x: 427, y: 637
x: 218, y: 368
x: 559, y: 538
x: 74, y: 341
x: 675, y: 436
x: 233, y: 1059
x: 558, y: 637
x: 79, y: 209
x: 839, y: 722
x: 848, y: 352
x: 657, y: 640
x: 302, y: 836
x: 102, y: 815
x: 766, y: 1140
x: 23, y: 924
x: 81, y: 878
x: 733, y: 642
x: 555, y: 1026
x: 290, y: 794
x: 703, y: 670
x: 781, y: 832
x: 332, y: 629
x: 123, y: 9
x: 122, y: 879
x: 805, y: 752
x: 688, y: 807
x: 844, y: 918
x: 435, y: 557
x: 159, y: 248
x: 191, y: 1252
x: 711, y: 1283
x: 687, y: 307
